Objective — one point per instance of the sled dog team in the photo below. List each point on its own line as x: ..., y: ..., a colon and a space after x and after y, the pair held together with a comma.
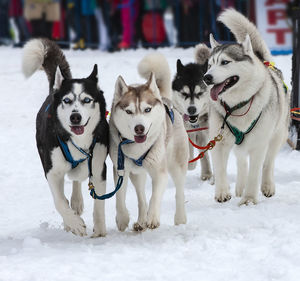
x: 232, y: 89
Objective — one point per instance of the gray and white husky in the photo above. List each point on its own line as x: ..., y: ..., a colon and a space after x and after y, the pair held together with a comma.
x: 156, y: 143
x: 71, y: 133
x: 191, y: 99
x: 250, y: 100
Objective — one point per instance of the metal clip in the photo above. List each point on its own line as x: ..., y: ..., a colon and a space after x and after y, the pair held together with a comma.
x: 91, y: 186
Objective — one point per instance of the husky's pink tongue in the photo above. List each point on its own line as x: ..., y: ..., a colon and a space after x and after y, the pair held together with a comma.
x: 78, y: 130
x: 186, y: 117
x: 215, y: 91
x: 140, y: 139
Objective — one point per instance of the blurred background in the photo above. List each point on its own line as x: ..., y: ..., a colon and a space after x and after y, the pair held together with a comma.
x: 112, y: 25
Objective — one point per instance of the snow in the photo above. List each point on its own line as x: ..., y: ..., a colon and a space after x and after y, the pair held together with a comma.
x: 219, y: 242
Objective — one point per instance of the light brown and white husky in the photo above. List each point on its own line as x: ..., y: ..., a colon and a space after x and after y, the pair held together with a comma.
x: 152, y: 139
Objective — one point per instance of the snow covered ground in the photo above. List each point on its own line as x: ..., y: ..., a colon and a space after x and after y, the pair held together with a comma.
x: 219, y: 242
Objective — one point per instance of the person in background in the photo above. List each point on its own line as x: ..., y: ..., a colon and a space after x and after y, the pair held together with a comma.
x: 84, y: 23
x: 16, y: 14
x: 110, y: 28
x: 5, y: 38
x: 41, y: 14
x: 153, y: 31
x: 129, y: 16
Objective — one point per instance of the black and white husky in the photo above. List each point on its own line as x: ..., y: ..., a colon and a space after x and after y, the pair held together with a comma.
x: 71, y: 133
x: 191, y: 99
x: 250, y: 101
x: 148, y: 136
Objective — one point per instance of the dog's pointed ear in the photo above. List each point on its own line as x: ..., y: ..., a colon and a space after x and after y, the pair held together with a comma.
x: 202, y: 53
x: 179, y: 66
x: 247, y: 46
x: 120, y: 87
x: 58, y: 79
x: 94, y: 75
x: 213, y: 42
x: 151, y: 83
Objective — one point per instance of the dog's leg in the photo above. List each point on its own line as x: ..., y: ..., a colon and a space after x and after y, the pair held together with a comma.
x: 99, y: 205
x: 242, y: 172
x: 250, y: 195
x: 159, y: 182
x: 122, y: 217
x: 139, y: 180
x: 206, y: 173
x: 267, y: 183
x: 191, y: 166
x: 76, y: 198
x: 72, y: 222
x: 220, y: 154
x: 178, y: 175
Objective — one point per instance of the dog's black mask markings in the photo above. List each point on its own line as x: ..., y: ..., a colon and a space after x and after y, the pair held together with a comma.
x: 49, y: 126
x: 190, y: 75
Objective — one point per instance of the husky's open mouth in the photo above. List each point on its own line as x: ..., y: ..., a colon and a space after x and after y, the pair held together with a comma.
x: 190, y: 118
x: 222, y: 87
x: 79, y: 130
x: 140, y: 138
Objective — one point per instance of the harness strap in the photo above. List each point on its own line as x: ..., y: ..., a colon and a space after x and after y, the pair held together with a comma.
x: 121, y: 160
x: 170, y: 112
x: 67, y: 154
x: 239, y: 135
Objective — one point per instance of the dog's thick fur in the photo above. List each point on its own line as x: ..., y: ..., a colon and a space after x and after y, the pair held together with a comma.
x: 237, y: 73
x: 74, y: 111
x: 191, y: 99
x: 165, y: 144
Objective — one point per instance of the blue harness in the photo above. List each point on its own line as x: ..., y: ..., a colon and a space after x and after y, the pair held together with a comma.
x: 68, y: 156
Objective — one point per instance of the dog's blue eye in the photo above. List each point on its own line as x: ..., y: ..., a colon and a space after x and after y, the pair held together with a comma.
x: 67, y: 100
x: 224, y: 62
x: 148, y: 109
x: 87, y: 100
x: 128, y: 111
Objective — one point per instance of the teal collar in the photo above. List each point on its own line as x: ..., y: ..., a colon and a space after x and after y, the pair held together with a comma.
x: 238, y: 134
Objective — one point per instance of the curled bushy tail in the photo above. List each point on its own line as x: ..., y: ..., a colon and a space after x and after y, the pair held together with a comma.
x: 240, y: 26
x: 44, y: 54
x: 202, y: 53
x: 157, y: 64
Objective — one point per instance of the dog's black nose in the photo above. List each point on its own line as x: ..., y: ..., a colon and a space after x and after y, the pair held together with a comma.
x: 139, y: 129
x: 192, y: 110
x: 75, y: 118
x: 208, y: 79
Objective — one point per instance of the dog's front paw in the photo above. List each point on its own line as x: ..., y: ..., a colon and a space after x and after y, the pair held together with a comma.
x: 206, y: 176
x: 222, y: 197
x: 268, y: 190
x: 246, y: 200
x: 76, y: 225
x: 139, y: 227
x: 180, y: 218
x: 99, y: 230
x: 122, y: 220
x: 99, y: 233
x: 212, y: 180
x: 153, y: 221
